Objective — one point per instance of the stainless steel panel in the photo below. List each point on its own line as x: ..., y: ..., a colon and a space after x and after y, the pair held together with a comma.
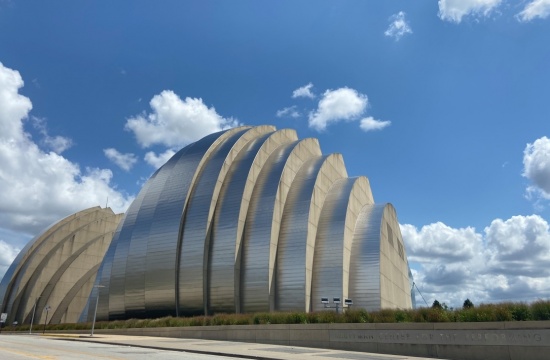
x: 113, y: 268
x: 139, y: 270
x: 295, y: 253
x: 196, y: 230
x: 162, y: 246
x: 230, y: 218
x: 221, y: 263
x: 260, y: 232
x: 328, y: 272
x: 364, y: 276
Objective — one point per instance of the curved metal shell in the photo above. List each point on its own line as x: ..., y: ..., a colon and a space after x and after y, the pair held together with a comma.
x: 263, y: 223
x: 299, y: 229
x: 58, y: 267
x: 379, y: 270
x: 335, y: 237
x: 230, y: 217
x: 244, y: 220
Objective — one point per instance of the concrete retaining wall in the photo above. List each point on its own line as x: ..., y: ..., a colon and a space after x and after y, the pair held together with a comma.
x: 468, y: 341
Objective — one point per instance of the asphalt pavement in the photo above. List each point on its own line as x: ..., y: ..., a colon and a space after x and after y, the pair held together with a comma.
x: 229, y: 348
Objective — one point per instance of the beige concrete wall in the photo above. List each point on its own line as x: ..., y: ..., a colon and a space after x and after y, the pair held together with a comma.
x: 55, y: 271
x: 459, y: 341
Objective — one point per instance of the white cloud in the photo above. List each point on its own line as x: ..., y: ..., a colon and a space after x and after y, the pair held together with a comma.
x: 8, y: 252
x: 12, y: 105
x: 436, y: 242
x: 304, y: 91
x: 371, y: 124
x: 536, y: 167
x: 289, y: 112
x: 343, y: 104
x: 507, y: 262
x: 455, y: 10
x: 157, y: 161
x: 124, y: 161
x: 39, y: 188
x: 520, y: 239
x: 398, y: 26
x: 535, y: 9
x: 175, y: 122
x: 58, y: 144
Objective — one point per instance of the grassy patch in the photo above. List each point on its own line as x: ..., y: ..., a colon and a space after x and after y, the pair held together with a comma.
x: 509, y: 311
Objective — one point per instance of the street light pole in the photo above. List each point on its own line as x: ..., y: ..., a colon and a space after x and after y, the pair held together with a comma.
x: 47, y: 308
x: 95, y: 312
x: 33, y: 312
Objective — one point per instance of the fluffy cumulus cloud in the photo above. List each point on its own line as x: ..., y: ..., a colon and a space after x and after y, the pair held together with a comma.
x: 56, y: 143
x: 536, y: 167
x: 342, y: 104
x: 455, y: 10
x: 157, y: 161
x: 8, y: 252
x: 304, y: 91
x: 371, y: 124
x: 38, y: 188
x: 124, y: 161
x: 535, y: 9
x: 399, y: 26
x: 174, y: 122
x: 508, y: 261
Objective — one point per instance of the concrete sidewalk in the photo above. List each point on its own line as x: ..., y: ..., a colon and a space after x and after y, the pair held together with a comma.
x: 230, y: 348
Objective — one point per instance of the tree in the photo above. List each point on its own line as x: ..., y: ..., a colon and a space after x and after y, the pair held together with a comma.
x: 436, y: 305
x: 467, y: 304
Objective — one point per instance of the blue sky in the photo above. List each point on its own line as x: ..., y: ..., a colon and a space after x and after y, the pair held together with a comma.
x: 444, y: 105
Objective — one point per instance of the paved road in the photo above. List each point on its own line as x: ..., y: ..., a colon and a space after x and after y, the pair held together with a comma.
x: 71, y: 346
x: 24, y: 347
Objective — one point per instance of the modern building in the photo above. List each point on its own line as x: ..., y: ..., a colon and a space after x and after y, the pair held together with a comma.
x: 246, y: 220
x: 57, y: 269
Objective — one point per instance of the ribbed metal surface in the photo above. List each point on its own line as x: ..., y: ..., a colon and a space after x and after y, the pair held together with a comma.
x: 9, y: 286
x: 142, y: 277
x: 62, y: 254
x: 244, y: 220
x: 163, y: 235
x: 364, y: 275
x: 195, y: 245
x: 113, y: 268
x: 229, y: 220
x: 394, y: 271
x: 299, y: 228
x: 334, y: 238
x: 263, y: 222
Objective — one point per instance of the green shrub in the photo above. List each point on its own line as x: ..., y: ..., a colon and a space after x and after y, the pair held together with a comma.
x: 296, y: 318
x: 383, y: 316
x: 199, y: 321
x: 356, y: 316
x: 261, y: 318
x: 509, y: 311
x: 327, y: 317
x: 503, y: 312
x: 520, y: 312
x: 485, y: 313
x: 466, y: 315
x: 437, y: 315
x: 402, y: 316
x: 541, y: 310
